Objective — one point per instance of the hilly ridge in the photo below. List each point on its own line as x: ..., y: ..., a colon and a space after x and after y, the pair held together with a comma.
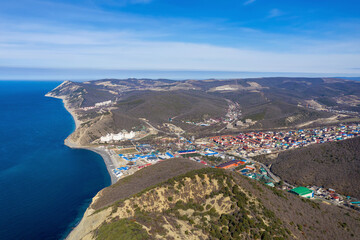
x: 214, y: 204
x: 269, y: 102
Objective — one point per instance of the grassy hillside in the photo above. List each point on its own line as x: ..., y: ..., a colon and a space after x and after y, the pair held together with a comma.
x: 216, y: 204
x: 277, y: 104
x: 332, y: 165
x: 158, y: 107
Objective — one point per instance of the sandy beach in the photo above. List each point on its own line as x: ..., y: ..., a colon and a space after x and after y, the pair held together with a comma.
x: 102, y: 151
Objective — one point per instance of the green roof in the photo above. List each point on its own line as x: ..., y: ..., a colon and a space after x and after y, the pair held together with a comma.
x: 301, y: 191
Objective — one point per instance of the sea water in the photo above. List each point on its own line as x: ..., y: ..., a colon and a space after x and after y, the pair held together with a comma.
x: 45, y: 187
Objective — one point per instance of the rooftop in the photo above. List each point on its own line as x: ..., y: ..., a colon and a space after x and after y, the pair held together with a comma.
x: 301, y: 190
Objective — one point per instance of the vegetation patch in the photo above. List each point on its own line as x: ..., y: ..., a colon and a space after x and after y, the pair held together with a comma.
x: 245, y: 218
x: 124, y: 229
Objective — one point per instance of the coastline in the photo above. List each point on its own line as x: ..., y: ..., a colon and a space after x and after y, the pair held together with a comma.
x: 101, y: 151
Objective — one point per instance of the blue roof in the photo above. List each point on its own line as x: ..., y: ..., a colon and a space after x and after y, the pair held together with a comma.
x: 210, y: 154
x: 169, y: 154
x: 123, y: 168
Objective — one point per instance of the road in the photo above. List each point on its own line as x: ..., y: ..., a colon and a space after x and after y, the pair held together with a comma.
x: 274, y: 178
x: 149, y: 124
x: 271, y: 175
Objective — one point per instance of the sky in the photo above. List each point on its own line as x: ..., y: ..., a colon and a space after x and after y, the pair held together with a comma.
x: 298, y: 36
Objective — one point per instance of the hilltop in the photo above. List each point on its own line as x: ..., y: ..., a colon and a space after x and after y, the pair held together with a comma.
x: 198, y: 108
x: 211, y: 203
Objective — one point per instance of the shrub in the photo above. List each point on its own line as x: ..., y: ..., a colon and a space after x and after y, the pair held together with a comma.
x: 121, y: 229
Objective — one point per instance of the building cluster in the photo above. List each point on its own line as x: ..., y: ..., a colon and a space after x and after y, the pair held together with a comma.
x: 103, y: 104
x: 133, y: 162
x: 258, y: 173
x: 219, y: 152
x: 250, y: 170
x: 151, y: 157
x: 327, y: 195
x: 144, y: 155
x: 120, y: 171
x: 330, y: 195
x: 233, y: 113
x: 98, y: 105
x: 112, y: 137
x: 255, y: 143
x: 332, y: 110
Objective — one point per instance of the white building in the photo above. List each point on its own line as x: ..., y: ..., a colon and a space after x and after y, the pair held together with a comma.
x: 100, y: 104
x: 123, y: 135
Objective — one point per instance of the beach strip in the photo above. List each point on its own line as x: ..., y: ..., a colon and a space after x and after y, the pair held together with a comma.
x: 102, y: 151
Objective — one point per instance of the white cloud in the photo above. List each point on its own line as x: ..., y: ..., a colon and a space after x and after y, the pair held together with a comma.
x: 275, y: 13
x: 132, y: 47
x: 248, y: 2
x: 122, y: 50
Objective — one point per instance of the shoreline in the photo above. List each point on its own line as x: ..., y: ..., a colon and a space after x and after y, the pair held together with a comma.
x: 101, y: 151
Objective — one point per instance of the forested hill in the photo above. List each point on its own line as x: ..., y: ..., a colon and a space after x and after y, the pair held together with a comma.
x: 332, y: 165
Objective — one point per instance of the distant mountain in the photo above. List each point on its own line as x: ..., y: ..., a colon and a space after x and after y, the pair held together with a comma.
x: 207, y: 203
x: 268, y: 102
x: 350, y: 78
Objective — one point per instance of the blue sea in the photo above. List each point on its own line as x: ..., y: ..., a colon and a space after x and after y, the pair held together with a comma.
x: 45, y: 187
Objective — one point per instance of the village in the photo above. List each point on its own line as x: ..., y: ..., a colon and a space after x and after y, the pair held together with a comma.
x: 234, y: 153
x: 257, y: 143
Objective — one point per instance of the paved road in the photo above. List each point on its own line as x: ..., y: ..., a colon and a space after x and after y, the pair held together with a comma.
x: 275, y: 178
x: 271, y: 175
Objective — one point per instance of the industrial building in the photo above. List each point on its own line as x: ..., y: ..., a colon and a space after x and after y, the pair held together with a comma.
x: 303, y: 192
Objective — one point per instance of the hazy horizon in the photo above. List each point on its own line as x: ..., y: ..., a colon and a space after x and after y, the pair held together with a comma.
x: 83, y: 74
